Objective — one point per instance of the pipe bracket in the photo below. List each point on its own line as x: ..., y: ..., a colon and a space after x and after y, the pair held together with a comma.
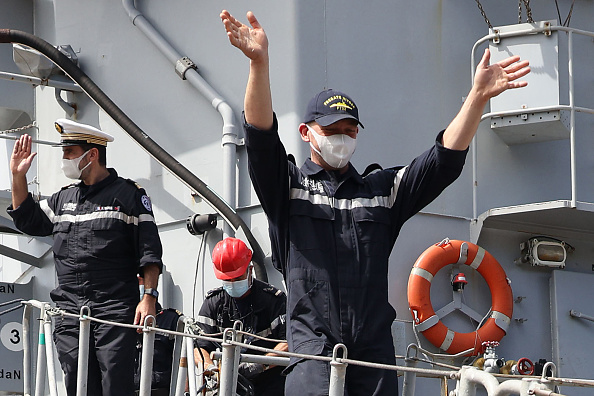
x: 183, y: 65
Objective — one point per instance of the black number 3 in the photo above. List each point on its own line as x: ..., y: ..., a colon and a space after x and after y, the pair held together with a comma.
x: 16, y: 337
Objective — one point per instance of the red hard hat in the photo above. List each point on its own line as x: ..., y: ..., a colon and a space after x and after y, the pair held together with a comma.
x: 231, y: 258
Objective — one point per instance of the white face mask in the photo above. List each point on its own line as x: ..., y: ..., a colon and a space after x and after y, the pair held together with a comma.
x: 336, y: 150
x: 70, y: 166
x: 238, y: 288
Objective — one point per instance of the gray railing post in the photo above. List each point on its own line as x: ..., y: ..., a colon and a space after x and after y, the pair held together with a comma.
x: 228, y: 368
x: 148, y: 348
x: 337, y: 371
x: 83, y: 351
x: 191, y: 367
x: 26, y: 350
x: 40, y: 372
x: 176, y: 354
x: 410, y: 377
x: 49, y: 353
x: 182, y: 371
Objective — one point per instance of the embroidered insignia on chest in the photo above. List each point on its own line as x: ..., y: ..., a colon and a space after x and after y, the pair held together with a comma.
x: 312, y: 185
x: 146, y: 202
x: 69, y: 206
x: 107, y: 208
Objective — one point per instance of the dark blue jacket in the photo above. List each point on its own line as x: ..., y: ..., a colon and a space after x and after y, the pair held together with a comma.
x: 332, y: 235
x: 104, y: 234
x: 262, y: 312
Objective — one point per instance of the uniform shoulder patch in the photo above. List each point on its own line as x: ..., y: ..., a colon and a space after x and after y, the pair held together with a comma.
x: 273, y: 290
x: 138, y: 186
x: 146, y: 202
x: 214, y: 292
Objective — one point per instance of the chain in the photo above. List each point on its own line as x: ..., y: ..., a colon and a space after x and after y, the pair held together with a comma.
x: 480, y: 6
x: 528, y: 11
x: 14, y: 130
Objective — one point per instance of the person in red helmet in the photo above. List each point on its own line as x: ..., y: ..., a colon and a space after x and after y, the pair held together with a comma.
x: 259, y: 306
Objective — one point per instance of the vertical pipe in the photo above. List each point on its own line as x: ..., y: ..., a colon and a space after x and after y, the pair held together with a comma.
x: 444, y: 386
x: 337, y: 372
x: 26, y: 350
x: 39, y: 375
x: 176, y: 355
x: 83, y: 351
x: 572, y: 122
x: 229, y: 360
x: 229, y: 142
x: 191, y: 366
x: 49, y: 353
x: 410, y: 378
x: 182, y: 372
x: 473, y: 145
x: 146, y: 363
x: 229, y: 138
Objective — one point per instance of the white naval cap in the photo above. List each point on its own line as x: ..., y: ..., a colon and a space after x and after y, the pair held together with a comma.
x: 74, y: 133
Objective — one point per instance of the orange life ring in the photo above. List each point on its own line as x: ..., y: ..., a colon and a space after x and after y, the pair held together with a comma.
x: 419, y: 297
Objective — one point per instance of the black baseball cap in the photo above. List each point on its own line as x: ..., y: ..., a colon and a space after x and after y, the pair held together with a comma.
x: 330, y: 106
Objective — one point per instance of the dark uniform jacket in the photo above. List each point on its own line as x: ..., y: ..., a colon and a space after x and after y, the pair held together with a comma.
x: 262, y: 312
x: 103, y: 234
x: 332, y: 235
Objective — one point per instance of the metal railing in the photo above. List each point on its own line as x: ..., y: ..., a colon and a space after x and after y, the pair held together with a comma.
x: 467, y: 377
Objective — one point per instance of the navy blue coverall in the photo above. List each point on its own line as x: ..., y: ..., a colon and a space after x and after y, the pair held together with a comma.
x: 262, y: 312
x: 104, y: 234
x: 331, y: 236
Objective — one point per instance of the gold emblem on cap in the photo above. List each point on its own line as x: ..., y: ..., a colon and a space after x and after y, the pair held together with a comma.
x: 58, y: 127
x: 341, y: 106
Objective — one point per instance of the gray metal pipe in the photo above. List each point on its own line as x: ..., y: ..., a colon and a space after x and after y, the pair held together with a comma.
x: 49, y: 353
x: 410, y: 377
x: 39, y: 375
x: 229, y: 139
x: 182, y: 370
x: 337, y: 371
x: 83, y: 352
x: 146, y: 363
x: 228, y: 378
x: 177, y: 346
x: 26, y: 350
x: 191, y: 366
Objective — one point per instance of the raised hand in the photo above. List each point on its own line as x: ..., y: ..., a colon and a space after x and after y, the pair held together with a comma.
x: 491, y: 80
x: 252, y: 41
x: 21, y: 158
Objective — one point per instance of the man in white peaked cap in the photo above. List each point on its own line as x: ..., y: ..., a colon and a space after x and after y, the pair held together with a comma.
x: 104, y: 236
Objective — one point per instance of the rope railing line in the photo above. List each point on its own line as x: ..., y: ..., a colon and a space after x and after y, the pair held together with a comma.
x: 260, y: 337
x: 57, y: 311
x: 429, y: 372
x: 18, y: 300
x: 433, y: 363
x: 10, y: 310
x: 423, y: 372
